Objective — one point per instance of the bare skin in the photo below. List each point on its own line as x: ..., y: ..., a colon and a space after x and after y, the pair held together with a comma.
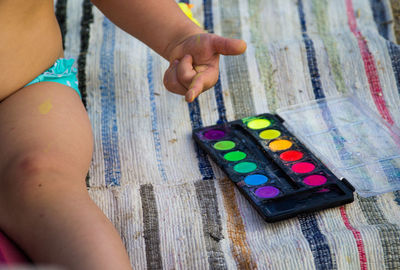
x: 45, y: 154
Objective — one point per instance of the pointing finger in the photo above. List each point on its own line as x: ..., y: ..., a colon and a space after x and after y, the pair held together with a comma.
x: 229, y: 46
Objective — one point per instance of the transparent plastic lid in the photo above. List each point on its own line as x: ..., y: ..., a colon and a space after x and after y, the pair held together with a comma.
x: 351, y: 140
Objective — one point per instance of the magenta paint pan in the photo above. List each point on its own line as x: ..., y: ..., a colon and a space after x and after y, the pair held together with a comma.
x: 275, y: 172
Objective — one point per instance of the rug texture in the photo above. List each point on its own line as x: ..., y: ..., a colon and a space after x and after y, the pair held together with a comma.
x: 172, y: 206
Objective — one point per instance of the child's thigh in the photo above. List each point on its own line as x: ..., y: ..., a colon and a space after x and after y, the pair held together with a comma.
x: 45, y: 122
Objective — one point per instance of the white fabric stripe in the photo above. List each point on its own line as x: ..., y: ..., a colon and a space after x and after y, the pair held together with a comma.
x: 274, y: 241
x: 287, y: 52
x: 259, y: 98
x: 181, y: 234
x: 73, y: 35
x: 122, y: 206
x: 93, y: 98
x: 390, y: 208
x: 370, y: 236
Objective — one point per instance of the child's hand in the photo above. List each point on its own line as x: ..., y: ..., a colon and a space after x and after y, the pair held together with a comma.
x: 194, y: 63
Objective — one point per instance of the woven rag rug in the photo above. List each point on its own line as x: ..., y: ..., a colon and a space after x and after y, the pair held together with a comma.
x: 174, y: 208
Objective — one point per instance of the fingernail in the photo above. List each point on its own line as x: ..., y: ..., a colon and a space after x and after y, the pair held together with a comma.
x: 191, y: 96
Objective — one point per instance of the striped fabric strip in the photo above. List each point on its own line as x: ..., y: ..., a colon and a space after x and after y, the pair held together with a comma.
x: 212, y: 226
x: 391, y: 171
x: 207, y: 197
x: 196, y: 122
x: 154, y: 121
x: 61, y: 15
x: 236, y: 230
x: 311, y: 57
x: 388, y: 233
x: 236, y: 67
x: 397, y: 197
x: 381, y: 19
x: 264, y: 64
x: 220, y: 102
x: 235, y: 226
x: 319, y: 246
x: 151, y: 232
x: 369, y: 65
x: 337, y: 138
x: 357, y: 236
x: 87, y: 19
x: 394, y: 53
x: 320, y: 12
x: 309, y: 225
x: 109, y: 128
x: 209, y: 27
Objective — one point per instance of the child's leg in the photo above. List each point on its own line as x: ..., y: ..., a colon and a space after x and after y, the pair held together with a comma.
x: 45, y: 151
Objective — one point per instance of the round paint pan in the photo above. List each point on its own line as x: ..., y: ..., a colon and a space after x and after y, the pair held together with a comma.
x: 291, y: 155
x: 224, y: 145
x: 303, y: 167
x: 256, y: 179
x: 269, y: 134
x: 267, y: 192
x: 214, y: 134
x: 279, y: 145
x: 235, y: 156
x: 315, y: 180
x: 245, y: 167
x: 258, y: 123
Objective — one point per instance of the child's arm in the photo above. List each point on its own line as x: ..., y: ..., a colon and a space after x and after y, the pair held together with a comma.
x: 192, y: 53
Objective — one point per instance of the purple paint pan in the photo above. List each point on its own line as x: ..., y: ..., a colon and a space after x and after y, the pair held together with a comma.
x: 214, y: 134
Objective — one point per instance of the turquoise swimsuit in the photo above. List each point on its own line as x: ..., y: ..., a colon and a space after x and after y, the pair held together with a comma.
x: 61, y: 72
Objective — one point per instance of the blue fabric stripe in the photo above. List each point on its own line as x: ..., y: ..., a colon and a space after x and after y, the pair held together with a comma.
x: 209, y: 26
x: 206, y: 192
x: 391, y: 171
x: 154, y: 121
x: 394, y: 53
x: 196, y: 122
x: 381, y: 18
x: 318, y: 243
x: 109, y: 128
x: 397, y: 197
x: 311, y: 57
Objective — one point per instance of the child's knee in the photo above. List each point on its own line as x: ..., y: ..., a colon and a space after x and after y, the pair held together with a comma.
x: 27, y: 171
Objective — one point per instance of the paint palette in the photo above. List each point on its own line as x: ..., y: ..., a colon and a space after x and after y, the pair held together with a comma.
x: 279, y: 176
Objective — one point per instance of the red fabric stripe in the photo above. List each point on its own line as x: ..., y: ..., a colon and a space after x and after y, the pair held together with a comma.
x: 369, y: 65
x: 357, y: 236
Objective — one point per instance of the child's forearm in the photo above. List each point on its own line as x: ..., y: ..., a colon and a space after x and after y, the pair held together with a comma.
x: 158, y: 23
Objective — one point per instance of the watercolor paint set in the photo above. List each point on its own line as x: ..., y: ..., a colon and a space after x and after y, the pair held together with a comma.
x: 277, y: 173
